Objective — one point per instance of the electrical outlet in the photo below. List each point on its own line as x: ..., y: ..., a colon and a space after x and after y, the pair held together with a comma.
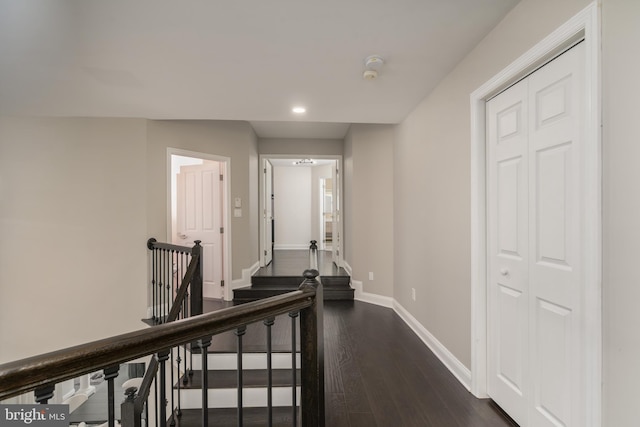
x: 371, y: 275
x: 413, y: 293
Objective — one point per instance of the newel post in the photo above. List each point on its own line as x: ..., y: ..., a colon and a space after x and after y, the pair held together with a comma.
x: 196, y: 282
x: 313, y: 255
x: 312, y: 353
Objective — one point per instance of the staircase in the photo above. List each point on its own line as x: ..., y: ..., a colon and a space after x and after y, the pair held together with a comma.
x: 283, y: 275
x: 222, y: 378
x: 223, y: 393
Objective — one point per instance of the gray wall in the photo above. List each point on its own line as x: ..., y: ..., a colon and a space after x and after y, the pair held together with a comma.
x: 368, y: 213
x: 621, y: 202
x: 73, y: 232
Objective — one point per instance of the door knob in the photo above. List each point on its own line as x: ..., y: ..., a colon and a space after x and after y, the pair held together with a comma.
x: 183, y: 236
x: 504, y: 271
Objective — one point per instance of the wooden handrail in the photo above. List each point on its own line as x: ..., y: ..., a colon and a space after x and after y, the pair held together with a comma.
x: 28, y: 374
x: 154, y: 244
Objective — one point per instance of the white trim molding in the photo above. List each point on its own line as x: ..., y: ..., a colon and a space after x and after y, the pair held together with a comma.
x: 584, y: 26
x: 368, y: 297
x: 457, y: 368
x: 245, y: 280
x: 291, y: 246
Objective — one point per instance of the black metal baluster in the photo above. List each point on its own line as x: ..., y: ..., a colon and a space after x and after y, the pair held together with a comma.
x: 187, y: 367
x: 153, y: 285
x: 294, y: 368
x: 204, y: 344
x: 43, y: 394
x: 109, y: 374
x: 173, y: 412
x: 189, y: 312
x: 167, y: 283
x: 179, y: 408
x: 163, y: 356
x: 269, y: 323
x: 155, y: 395
x: 159, y: 281
x: 160, y: 285
x: 239, y: 333
x: 163, y: 273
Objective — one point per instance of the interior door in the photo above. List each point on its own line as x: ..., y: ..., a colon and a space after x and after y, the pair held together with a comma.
x: 534, y: 261
x: 336, y: 243
x: 508, y: 302
x: 268, y: 220
x: 199, y: 217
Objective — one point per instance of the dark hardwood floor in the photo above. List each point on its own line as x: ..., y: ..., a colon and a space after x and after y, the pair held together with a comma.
x: 378, y: 372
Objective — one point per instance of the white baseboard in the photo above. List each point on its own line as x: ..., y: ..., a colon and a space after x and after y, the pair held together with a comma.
x: 370, y: 298
x: 291, y: 246
x: 245, y: 280
x: 347, y: 268
x: 158, y: 309
x: 461, y: 372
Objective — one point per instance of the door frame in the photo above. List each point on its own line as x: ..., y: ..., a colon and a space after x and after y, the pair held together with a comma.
x: 226, y: 210
x: 261, y: 187
x: 585, y: 25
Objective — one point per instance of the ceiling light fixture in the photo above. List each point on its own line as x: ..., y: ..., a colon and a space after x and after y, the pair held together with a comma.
x: 299, y: 110
x: 304, y: 162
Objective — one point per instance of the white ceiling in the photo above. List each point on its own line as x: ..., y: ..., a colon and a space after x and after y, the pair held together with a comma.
x: 234, y: 59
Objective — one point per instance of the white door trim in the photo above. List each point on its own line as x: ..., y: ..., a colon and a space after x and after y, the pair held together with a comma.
x: 226, y: 238
x: 585, y: 25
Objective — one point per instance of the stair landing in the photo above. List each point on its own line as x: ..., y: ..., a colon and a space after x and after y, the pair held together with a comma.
x: 284, y: 274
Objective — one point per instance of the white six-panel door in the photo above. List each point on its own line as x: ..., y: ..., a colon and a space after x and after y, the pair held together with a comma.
x: 535, y: 203
x: 199, y: 217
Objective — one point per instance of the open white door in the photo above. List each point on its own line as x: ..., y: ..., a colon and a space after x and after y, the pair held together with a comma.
x: 336, y: 244
x: 267, y: 217
x: 199, y: 217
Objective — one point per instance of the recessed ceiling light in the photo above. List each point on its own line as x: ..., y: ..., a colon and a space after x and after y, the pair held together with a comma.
x: 299, y: 110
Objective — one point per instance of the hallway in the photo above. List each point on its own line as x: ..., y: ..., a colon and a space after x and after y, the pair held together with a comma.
x: 379, y: 373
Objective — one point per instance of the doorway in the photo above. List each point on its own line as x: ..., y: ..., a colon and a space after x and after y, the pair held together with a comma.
x: 295, y: 193
x: 198, y: 196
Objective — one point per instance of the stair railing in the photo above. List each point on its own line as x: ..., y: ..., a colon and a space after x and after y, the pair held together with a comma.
x: 39, y: 374
x: 176, y: 274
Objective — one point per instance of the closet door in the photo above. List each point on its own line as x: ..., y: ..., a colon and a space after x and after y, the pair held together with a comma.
x: 534, y: 260
x: 508, y: 264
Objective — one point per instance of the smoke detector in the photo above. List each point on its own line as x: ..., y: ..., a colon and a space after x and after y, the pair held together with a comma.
x: 373, y: 62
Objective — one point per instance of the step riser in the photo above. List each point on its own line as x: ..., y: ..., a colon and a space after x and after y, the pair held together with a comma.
x: 228, y: 398
x: 252, y: 294
x: 229, y: 361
